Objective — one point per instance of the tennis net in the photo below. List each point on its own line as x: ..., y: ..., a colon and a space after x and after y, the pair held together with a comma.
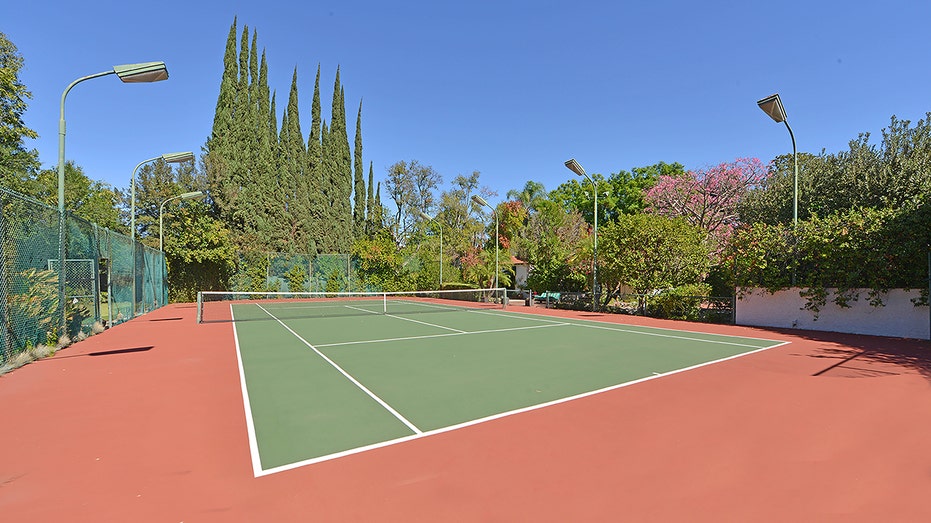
x: 215, y: 306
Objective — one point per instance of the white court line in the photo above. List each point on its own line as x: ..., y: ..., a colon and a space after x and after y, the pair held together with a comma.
x: 247, y: 405
x: 460, y: 333
x: 348, y: 376
x: 441, y: 430
x: 409, y: 319
x: 594, y: 324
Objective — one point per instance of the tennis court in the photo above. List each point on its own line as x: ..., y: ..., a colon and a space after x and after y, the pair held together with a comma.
x: 327, y: 377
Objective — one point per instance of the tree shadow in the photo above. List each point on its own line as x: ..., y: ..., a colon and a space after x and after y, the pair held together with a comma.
x: 863, y: 356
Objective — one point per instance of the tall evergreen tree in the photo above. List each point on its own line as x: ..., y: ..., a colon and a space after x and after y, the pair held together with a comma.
x: 247, y: 125
x: 358, y: 210
x: 293, y: 180
x: 339, y: 167
x: 315, y: 218
x: 219, y: 143
x: 370, y: 202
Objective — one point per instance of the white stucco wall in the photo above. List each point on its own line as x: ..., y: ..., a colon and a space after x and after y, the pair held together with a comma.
x: 521, y: 271
x: 898, y: 318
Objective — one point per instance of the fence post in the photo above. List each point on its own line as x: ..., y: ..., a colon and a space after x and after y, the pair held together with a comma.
x: 5, y: 350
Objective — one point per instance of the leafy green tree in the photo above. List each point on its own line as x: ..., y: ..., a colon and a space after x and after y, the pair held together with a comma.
x: 892, y: 173
x: 200, y: 251
x: 411, y: 187
x: 621, y: 193
x: 18, y: 166
x: 557, y: 245
x: 648, y: 252
x: 532, y: 193
x: 380, y: 263
x: 92, y: 200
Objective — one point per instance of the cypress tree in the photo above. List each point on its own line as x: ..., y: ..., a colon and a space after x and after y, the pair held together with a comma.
x: 219, y: 142
x: 358, y: 210
x: 370, y: 203
x: 248, y: 127
x: 326, y: 204
x: 292, y: 176
x: 315, y: 218
x: 340, y: 171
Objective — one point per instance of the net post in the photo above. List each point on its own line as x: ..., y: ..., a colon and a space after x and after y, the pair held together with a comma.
x: 384, y: 302
x: 200, y: 307
x: 504, y: 298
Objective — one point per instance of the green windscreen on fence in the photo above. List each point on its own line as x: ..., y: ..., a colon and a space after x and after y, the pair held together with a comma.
x: 107, y: 280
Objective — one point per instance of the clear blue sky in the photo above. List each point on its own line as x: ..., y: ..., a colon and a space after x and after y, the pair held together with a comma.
x: 508, y: 88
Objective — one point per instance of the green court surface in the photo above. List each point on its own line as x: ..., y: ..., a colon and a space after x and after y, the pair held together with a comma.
x: 322, y: 387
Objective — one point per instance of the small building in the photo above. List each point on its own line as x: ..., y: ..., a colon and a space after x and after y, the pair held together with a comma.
x: 521, y: 271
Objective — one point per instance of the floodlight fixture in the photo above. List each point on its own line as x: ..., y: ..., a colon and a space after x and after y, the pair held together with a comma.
x: 772, y: 105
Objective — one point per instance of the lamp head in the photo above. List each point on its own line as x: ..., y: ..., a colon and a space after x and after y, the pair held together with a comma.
x: 142, y: 73
x: 186, y: 156
x: 575, y: 167
x: 193, y: 195
x: 772, y: 105
x: 479, y: 200
x: 423, y: 215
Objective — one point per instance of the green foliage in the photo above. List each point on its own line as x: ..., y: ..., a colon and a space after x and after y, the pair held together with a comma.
x: 37, y: 304
x: 17, y: 165
x: 380, y: 264
x: 92, y: 200
x: 621, y: 193
x: 272, y: 190
x: 648, y: 252
x: 680, y: 303
x: 875, y: 249
x: 892, y: 174
x: 200, y: 253
x: 296, y: 278
x: 558, y: 246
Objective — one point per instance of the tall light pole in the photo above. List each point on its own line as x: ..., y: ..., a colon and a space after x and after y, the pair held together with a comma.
x: 161, y: 212
x: 577, y: 169
x: 426, y: 217
x: 170, y: 158
x: 129, y: 73
x: 481, y: 201
x: 772, y: 105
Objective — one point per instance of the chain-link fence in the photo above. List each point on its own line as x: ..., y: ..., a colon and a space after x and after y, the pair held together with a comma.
x: 295, y: 272
x: 107, y: 280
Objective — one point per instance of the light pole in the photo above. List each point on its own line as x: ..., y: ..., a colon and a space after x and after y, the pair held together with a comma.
x: 481, y: 201
x: 577, y: 169
x: 161, y: 212
x: 440, y: 225
x: 129, y: 73
x: 772, y: 105
x: 170, y: 158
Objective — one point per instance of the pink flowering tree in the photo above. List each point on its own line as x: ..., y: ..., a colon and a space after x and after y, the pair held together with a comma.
x: 707, y: 198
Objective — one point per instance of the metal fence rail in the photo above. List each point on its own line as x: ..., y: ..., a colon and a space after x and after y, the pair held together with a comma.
x: 98, y: 276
